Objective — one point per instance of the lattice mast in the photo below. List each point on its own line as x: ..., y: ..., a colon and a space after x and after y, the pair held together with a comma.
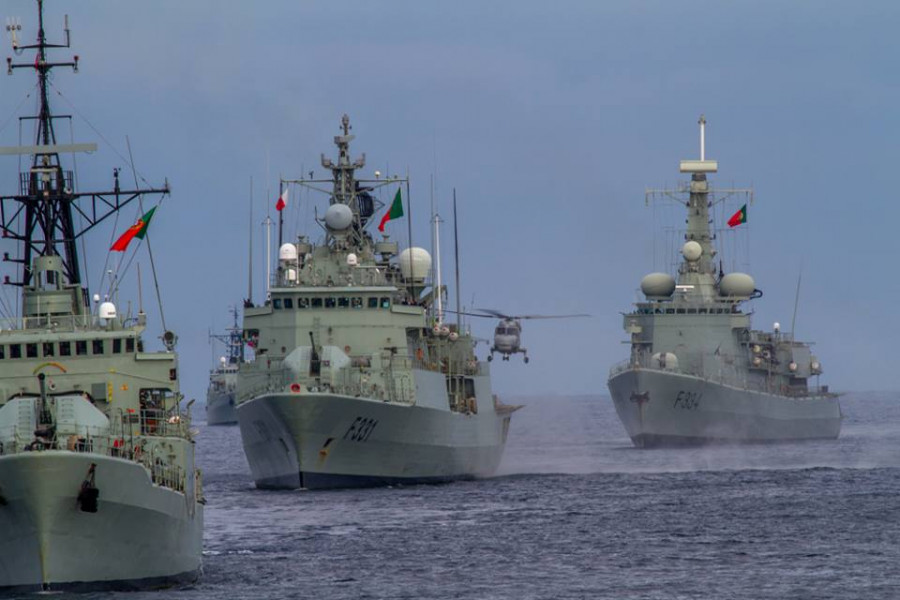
x: 41, y: 215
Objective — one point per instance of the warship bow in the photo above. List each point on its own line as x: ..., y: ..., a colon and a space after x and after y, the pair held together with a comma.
x: 98, y: 487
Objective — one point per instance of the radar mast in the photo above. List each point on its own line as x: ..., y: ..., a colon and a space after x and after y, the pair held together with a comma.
x: 41, y: 215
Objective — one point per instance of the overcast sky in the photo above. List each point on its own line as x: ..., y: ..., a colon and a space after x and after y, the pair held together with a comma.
x: 549, y: 118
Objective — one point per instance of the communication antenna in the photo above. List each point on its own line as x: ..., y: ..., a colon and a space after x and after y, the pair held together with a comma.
x: 456, y: 264
x: 250, y: 250
x: 268, y: 225
x: 702, y: 122
x: 437, y: 272
x: 796, y: 303
x: 14, y: 25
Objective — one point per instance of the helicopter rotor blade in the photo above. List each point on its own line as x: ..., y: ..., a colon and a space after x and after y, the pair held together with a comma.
x: 573, y: 316
x: 495, y: 313
x: 471, y: 314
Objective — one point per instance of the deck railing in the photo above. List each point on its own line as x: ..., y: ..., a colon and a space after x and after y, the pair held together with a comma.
x: 715, y: 368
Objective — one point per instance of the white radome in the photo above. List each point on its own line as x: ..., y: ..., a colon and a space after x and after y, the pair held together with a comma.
x: 658, y: 285
x: 415, y: 263
x: 692, y: 251
x: 287, y: 252
x: 107, y: 310
x: 739, y: 285
x: 338, y: 217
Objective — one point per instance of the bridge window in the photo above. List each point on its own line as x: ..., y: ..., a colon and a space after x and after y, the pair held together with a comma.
x: 356, y: 302
x: 65, y: 348
x: 372, y: 302
x: 343, y: 302
x: 15, y: 351
x: 316, y: 303
x: 97, y: 347
x: 330, y: 302
x: 289, y: 303
x: 31, y: 350
x: 117, y: 346
x: 2, y: 352
x: 302, y: 303
x: 80, y: 347
x: 129, y: 345
x: 48, y: 348
x: 276, y: 303
x: 385, y: 303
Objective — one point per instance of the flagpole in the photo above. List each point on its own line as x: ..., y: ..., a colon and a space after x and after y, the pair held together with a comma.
x: 409, y: 228
x: 280, y: 212
x: 268, y: 224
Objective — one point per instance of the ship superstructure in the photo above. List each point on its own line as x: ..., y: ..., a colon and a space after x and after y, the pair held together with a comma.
x: 698, y: 372
x: 223, y: 379
x: 98, y: 486
x: 357, y: 379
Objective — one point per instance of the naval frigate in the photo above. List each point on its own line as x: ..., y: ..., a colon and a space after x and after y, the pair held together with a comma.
x: 223, y: 379
x: 98, y: 487
x: 698, y: 373
x: 357, y: 380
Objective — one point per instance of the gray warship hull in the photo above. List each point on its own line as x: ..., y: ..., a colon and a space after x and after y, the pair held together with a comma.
x: 142, y: 535
x: 660, y: 409
x: 318, y: 440
x: 220, y: 409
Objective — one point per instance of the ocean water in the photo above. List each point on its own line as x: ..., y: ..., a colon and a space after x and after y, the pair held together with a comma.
x: 575, y: 512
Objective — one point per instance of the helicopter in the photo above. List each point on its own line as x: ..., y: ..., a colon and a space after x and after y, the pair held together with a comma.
x: 508, y: 332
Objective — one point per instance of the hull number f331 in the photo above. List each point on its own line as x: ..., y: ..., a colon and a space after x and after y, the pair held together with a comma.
x: 360, y: 429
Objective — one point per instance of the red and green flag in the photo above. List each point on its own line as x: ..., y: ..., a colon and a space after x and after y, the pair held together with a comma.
x: 138, y: 230
x: 738, y: 217
x: 395, y: 212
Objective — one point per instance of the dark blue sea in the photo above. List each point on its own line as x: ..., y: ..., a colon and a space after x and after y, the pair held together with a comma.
x: 575, y: 512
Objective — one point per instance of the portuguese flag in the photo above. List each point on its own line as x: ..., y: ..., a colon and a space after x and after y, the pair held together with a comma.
x: 738, y: 217
x: 395, y: 212
x: 138, y: 230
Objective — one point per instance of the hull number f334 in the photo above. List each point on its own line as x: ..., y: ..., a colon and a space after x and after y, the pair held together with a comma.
x: 687, y: 400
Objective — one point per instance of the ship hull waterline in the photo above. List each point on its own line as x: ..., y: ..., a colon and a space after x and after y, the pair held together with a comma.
x: 50, y: 544
x: 322, y: 441
x: 665, y: 409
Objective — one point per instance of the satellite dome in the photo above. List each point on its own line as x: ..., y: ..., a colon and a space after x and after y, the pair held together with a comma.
x: 692, y: 251
x: 414, y: 263
x: 352, y: 260
x: 739, y: 285
x: 338, y: 217
x: 658, y: 285
x: 287, y: 252
x: 107, y: 310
